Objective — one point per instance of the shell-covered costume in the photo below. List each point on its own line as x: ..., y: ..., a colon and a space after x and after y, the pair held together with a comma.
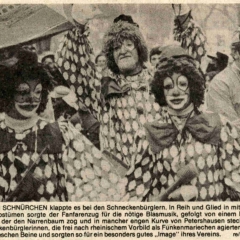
x: 208, y: 141
x: 121, y: 104
x: 69, y: 169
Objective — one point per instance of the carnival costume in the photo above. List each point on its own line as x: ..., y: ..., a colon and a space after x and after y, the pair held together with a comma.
x: 122, y: 104
x: 161, y: 151
x: 206, y: 145
x: 42, y: 161
x: 69, y: 169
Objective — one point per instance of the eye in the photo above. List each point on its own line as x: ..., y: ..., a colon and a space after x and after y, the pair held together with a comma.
x: 129, y: 45
x: 116, y: 48
x: 22, y: 93
x: 168, y: 86
x: 22, y: 87
x: 168, y: 83
x: 183, y: 82
x: 38, y: 92
x: 38, y: 88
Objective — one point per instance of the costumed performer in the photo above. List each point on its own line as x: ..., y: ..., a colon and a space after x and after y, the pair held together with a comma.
x: 186, y: 155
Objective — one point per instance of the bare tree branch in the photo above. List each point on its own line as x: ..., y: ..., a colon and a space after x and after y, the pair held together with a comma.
x: 213, y: 7
x: 225, y: 12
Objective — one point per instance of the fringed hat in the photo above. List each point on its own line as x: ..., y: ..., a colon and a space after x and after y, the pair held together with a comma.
x: 123, y: 28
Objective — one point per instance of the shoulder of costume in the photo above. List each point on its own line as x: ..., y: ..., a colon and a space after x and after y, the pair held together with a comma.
x: 141, y: 133
x: 48, y: 134
x: 219, y: 121
x: 229, y: 127
x: 226, y: 122
x: 224, y: 76
x: 147, y: 73
x: 107, y: 80
x: 109, y: 87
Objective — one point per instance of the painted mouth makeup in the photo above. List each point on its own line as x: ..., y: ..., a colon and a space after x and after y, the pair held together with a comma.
x: 28, y: 107
x: 177, y: 101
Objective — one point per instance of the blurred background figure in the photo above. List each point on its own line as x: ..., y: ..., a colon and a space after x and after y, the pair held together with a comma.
x: 218, y: 62
x: 101, y: 62
x: 223, y: 92
x: 101, y: 65
x: 47, y: 59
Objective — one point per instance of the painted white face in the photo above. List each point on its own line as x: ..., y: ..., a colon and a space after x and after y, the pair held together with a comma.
x: 176, y: 91
x: 27, y: 98
x: 126, y: 56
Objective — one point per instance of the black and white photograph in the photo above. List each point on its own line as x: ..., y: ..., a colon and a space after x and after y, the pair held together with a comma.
x: 119, y: 102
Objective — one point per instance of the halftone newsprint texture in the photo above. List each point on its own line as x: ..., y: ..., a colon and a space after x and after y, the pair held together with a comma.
x: 125, y: 167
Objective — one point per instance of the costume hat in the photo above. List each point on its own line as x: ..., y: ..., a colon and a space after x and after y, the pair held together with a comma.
x: 123, y: 28
x: 154, y: 51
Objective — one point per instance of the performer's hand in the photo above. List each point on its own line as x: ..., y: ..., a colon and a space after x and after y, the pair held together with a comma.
x: 184, y: 193
x: 153, y: 198
x: 176, y: 195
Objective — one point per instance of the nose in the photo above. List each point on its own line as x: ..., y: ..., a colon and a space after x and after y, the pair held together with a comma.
x: 30, y: 97
x: 123, y: 49
x: 32, y: 94
x: 176, y: 91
